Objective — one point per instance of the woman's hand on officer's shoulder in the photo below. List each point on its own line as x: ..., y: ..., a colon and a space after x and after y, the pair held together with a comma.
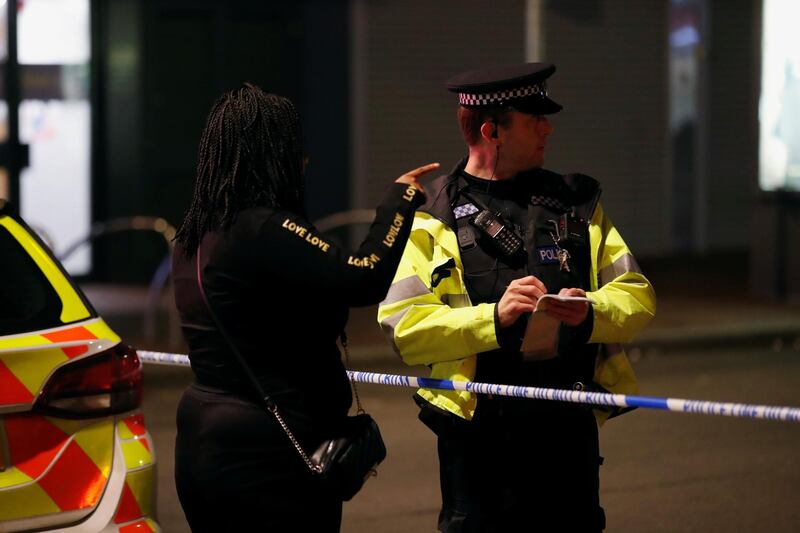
x: 410, y: 177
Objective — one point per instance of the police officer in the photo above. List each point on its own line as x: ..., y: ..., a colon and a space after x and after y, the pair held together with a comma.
x: 494, y: 236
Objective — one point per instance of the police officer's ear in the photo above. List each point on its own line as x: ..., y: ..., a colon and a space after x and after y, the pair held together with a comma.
x: 489, y: 132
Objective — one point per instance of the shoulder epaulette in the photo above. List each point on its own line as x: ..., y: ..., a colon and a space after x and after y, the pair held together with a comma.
x: 585, y: 193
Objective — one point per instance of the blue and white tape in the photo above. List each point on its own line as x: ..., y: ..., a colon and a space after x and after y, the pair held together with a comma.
x: 678, y: 405
x: 163, y: 358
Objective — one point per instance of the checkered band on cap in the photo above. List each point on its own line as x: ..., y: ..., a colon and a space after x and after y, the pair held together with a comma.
x: 498, y: 97
x: 464, y: 210
x: 547, y: 201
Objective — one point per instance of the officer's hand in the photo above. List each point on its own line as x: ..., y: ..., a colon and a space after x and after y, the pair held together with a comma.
x: 520, y: 297
x: 570, y: 313
x: 410, y: 177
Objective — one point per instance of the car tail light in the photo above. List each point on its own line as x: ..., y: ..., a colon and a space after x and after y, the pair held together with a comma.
x: 106, y: 383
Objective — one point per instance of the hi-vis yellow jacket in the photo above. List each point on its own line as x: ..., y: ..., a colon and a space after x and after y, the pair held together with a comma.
x: 435, y: 324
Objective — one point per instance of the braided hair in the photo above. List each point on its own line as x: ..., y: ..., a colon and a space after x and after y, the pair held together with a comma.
x: 250, y: 155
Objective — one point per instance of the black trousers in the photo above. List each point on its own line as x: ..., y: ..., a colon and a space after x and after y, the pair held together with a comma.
x: 519, y: 467
x: 236, y: 470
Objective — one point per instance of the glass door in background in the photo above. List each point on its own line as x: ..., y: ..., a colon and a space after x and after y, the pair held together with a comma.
x: 9, y: 171
x: 51, y: 68
x: 687, y: 121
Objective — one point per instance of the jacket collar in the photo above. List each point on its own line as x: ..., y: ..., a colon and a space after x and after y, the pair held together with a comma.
x: 583, y: 192
x: 443, y: 191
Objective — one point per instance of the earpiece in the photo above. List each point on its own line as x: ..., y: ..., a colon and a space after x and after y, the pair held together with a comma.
x: 494, y: 131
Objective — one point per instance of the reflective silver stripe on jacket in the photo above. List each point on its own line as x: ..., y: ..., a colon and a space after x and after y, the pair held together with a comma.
x: 623, y: 264
x: 401, y: 290
x: 404, y: 289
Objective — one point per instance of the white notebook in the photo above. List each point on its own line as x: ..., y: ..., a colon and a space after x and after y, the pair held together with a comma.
x: 541, y: 335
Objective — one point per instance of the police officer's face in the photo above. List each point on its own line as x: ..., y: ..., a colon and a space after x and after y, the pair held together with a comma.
x: 523, y: 141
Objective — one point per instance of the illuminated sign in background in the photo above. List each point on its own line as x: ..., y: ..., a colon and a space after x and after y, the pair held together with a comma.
x: 779, y: 108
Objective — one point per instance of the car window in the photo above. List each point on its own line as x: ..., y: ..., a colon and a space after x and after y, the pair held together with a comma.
x: 27, y: 300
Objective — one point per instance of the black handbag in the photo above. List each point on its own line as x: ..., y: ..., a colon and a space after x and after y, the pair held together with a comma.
x: 342, y: 463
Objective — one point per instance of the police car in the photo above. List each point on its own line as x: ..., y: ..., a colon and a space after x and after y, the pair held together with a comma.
x: 75, y: 455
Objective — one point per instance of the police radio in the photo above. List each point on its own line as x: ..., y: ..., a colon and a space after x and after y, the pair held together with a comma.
x: 503, y: 237
x: 492, y: 227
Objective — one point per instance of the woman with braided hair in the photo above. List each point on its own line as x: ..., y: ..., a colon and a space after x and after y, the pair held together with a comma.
x: 249, y: 266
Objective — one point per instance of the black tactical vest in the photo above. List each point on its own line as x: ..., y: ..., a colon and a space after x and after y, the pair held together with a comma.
x: 551, y: 213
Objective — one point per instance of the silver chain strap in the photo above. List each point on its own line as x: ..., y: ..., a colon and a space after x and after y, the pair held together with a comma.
x: 316, y: 469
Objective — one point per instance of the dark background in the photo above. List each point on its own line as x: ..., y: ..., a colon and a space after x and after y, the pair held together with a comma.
x: 367, y: 77
x: 161, y: 64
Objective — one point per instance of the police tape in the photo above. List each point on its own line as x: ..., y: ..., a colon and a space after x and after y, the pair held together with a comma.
x: 678, y: 405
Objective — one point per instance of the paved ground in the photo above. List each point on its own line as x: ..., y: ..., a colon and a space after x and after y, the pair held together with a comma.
x: 663, y: 471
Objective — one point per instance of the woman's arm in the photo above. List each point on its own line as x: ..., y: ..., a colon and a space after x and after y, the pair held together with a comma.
x: 361, y: 277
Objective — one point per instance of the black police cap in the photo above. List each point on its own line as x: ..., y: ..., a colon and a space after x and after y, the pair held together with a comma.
x: 523, y: 87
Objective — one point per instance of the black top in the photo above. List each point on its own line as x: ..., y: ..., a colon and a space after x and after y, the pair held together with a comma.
x: 282, y: 292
